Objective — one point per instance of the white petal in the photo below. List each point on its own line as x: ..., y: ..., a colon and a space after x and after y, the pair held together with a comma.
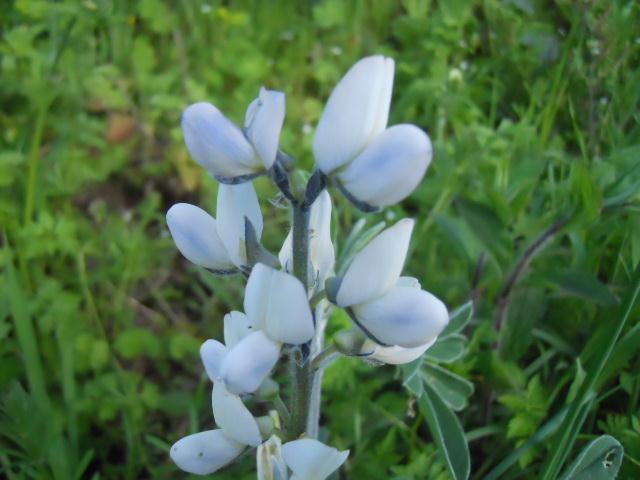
x: 269, y: 462
x: 286, y: 253
x: 256, y: 294
x: 390, y: 168
x: 212, y: 352
x: 356, y: 112
x: 321, y: 250
x: 235, y: 202
x: 310, y: 459
x: 394, y: 355
x: 278, y: 303
x: 205, y: 452
x: 376, y: 268
x: 233, y: 417
x: 289, y: 318
x: 263, y: 124
x: 248, y: 363
x: 236, y: 326
x: 216, y: 143
x: 404, y: 316
x: 196, y: 236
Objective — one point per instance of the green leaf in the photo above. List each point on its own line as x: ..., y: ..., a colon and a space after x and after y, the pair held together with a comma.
x: 412, y: 378
x: 484, y: 223
x: 447, y: 349
x: 600, y: 460
x: 584, y: 285
x: 458, y: 319
x: 452, y: 389
x: 447, y: 434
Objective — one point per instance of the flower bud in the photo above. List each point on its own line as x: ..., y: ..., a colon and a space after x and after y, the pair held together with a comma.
x: 356, y: 112
x: 390, y: 168
x: 216, y: 143
x: 205, y: 452
x: 268, y: 390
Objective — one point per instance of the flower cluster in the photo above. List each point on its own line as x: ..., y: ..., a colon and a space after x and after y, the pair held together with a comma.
x: 287, y: 298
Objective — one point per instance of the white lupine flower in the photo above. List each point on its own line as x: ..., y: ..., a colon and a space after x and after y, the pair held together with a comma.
x: 310, y: 459
x: 196, y: 235
x: 356, y: 112
x: 277, y: 303
x: 392, y: 309
x: 222, y: 148
x: 390, y: 168
x: 269, y: 462
x: 377, y: 267
x: 376, y: 167
x: 205, y: 452
x: 217, y: 244
x: 321, y: 252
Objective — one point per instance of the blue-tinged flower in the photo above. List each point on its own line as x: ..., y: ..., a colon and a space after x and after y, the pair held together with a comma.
x: 226, y: 151
x: 392, y: 310
x: 375, y: 166
x: 217, y: 244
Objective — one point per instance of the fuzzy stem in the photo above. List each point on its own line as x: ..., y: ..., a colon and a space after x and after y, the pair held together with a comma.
x: 301, y: 372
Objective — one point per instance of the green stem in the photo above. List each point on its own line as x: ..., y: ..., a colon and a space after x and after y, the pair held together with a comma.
x: 301, y: 372
x: 32, y: 163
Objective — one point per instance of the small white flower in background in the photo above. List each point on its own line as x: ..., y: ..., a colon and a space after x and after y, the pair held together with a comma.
x: 205, y: 452
x: 322, y: 255
x: 269, y: 462
x: 375, y: 165
x: 310, y: 459
x: 223, y: 149
x: 219, y: 245
x: 392, y: 309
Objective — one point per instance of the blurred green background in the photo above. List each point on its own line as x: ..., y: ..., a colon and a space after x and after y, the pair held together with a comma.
x: 533, y: 110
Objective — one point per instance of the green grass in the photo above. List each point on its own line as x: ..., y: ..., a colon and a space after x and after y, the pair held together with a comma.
x: 530, y: 209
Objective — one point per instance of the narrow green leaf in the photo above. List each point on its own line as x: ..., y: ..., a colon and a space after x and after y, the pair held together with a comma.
x: 452, y: 389
x: 25, y: 334
x: 447, y: 434
x: 600, y: 460
x: 447, y: 349
x: 584, y: 285
x: 458, y: 319
x: 572, y: 424
x: 412, y: 378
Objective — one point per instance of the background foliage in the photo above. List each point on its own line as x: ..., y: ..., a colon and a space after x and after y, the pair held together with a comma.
x: 533, y: 109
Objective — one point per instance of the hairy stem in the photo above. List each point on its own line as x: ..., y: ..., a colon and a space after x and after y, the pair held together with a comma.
x: 301, y: 372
